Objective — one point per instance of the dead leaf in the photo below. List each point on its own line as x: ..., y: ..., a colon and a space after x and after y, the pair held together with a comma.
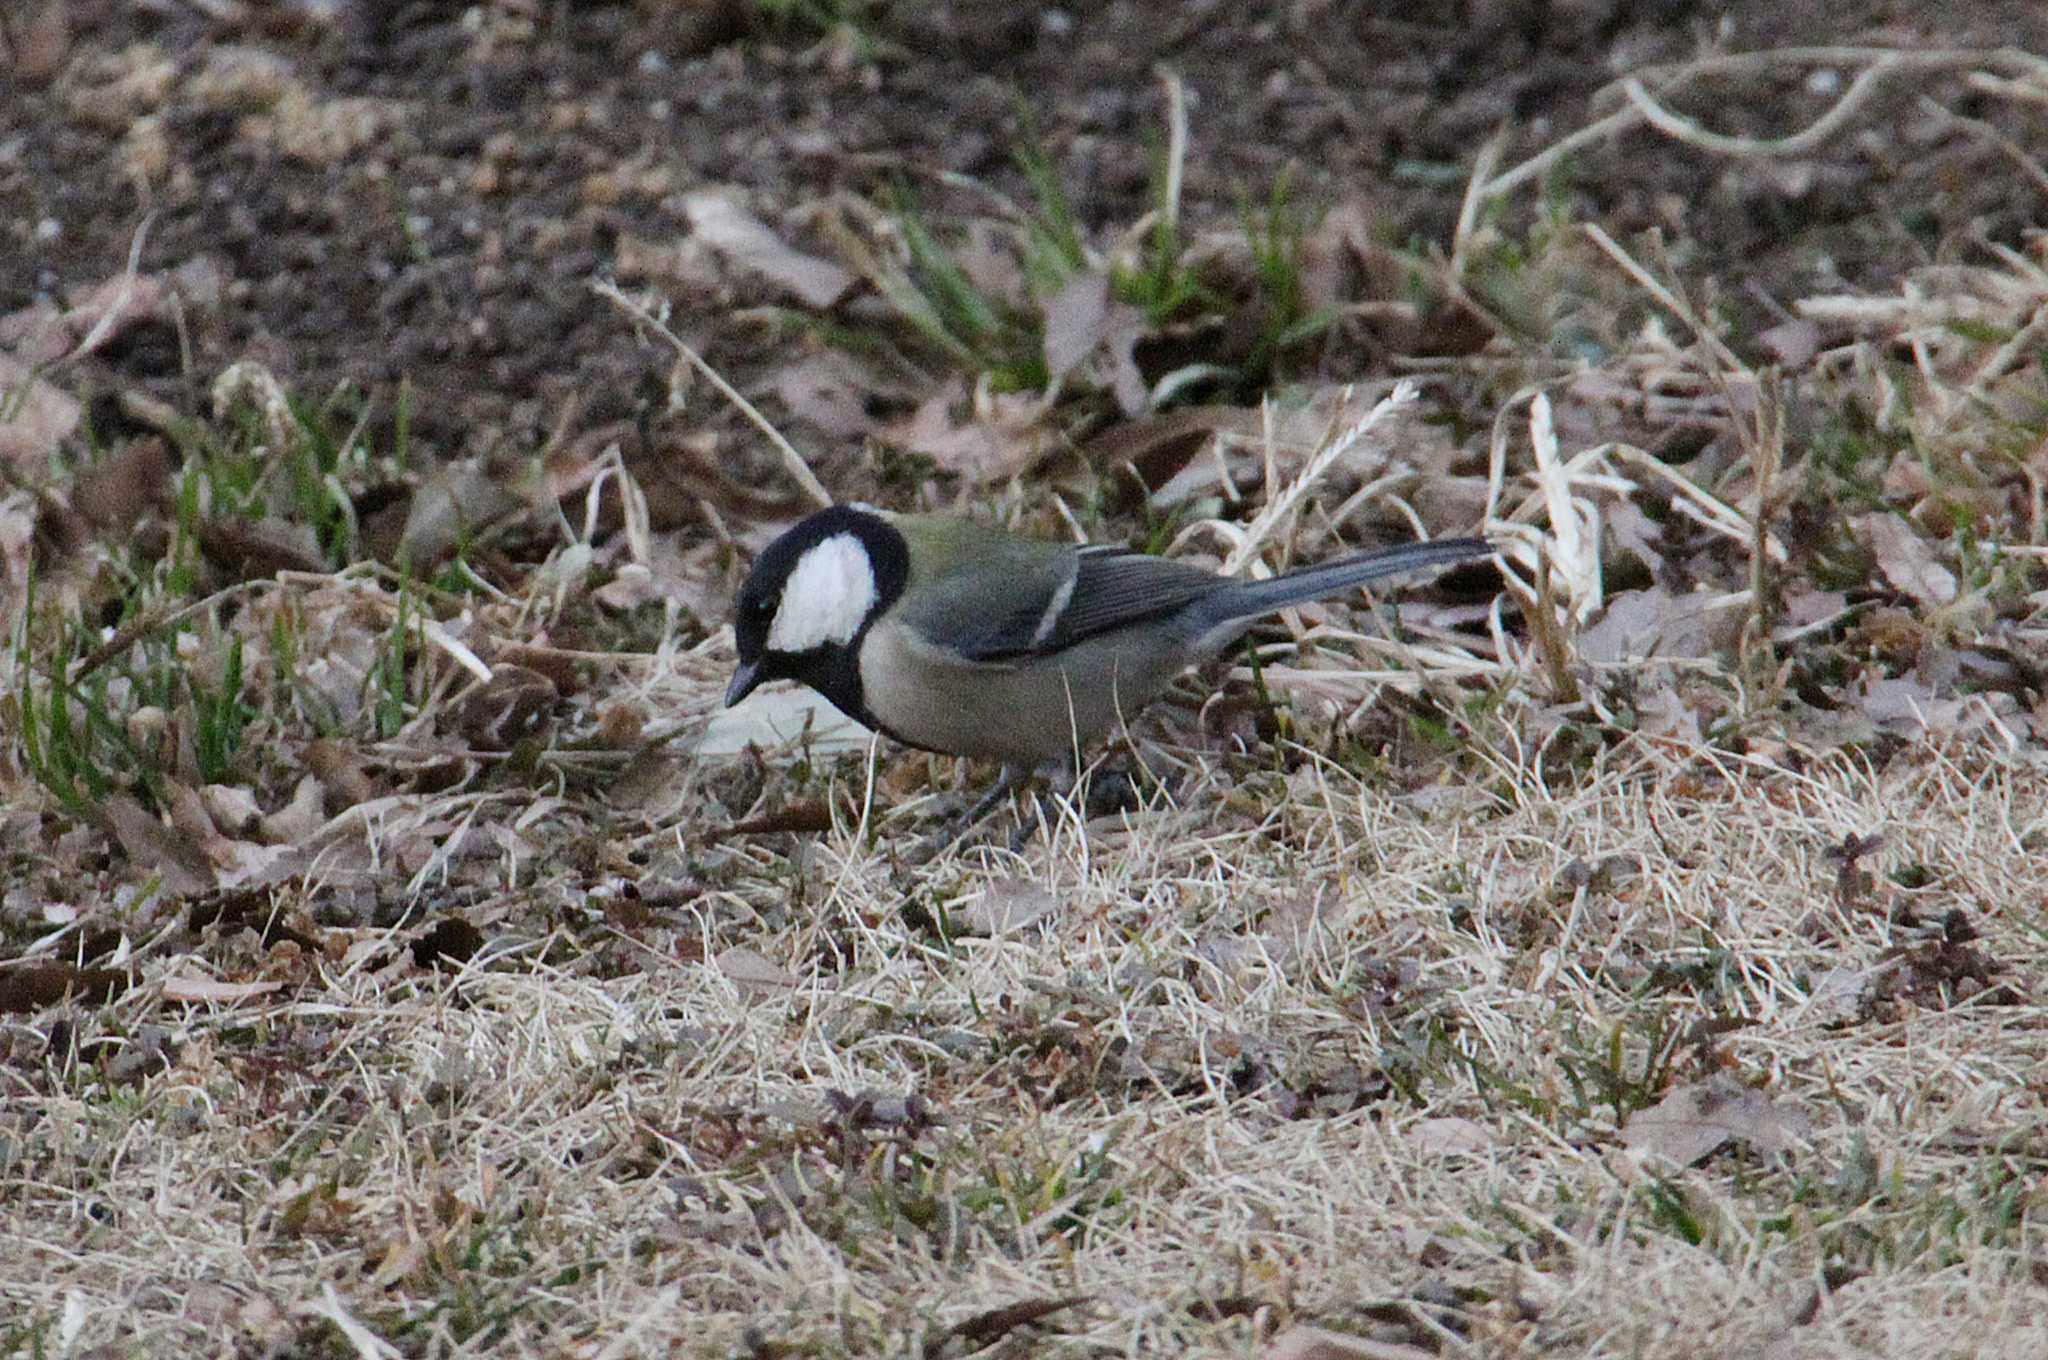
x: 1908, y: 706
x: 231, y: 808
x: 1906, y: 559
x: 34, y: 40
x: 1339, y: 247
x: 452, y: 942
x: 1450, y: 1136
x: 1632, y: 531
x: 986, y: 1328
x: 748, y: 243
x: 35, y: 418
x: 829, y: 391
x: 299, y: 819
x: 774, y: 719
x: 1076, y: 321
x: 18, y: 524
x: 205, y: 990
x: 252, y: 549
x: 114, y: 491
x: 993, y: 444
x: 1637, y: 624
x: 1007, y: 905
x: 1082, y: 320
x: 1297, y: 428
x: 505, y: 710
x: 110, y: 308
x: 1157, y: 447
x: 457, y: 501
x: 1693, y: 1121
x: 755, y: 974
x: 808, y: 818
x: 1839, y: 995
x: 340, y: 771
x: 986, y: 252
x: 1791, y: 344
x: 185, y: 869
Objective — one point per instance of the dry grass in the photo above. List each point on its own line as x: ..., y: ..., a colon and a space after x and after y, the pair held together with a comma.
x: 1356, y: 1061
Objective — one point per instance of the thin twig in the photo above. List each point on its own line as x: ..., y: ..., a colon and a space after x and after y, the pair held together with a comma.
x: 792, y: 462
x: 1643, y: 90
x: 1798, y: 143
x: 1671, y: 302
x: 1977, y: 127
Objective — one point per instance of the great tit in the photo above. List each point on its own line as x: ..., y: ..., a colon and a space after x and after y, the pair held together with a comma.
x: 957, y: 638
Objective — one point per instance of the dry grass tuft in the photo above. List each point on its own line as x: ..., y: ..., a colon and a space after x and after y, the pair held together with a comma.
x: 1362, y: 1059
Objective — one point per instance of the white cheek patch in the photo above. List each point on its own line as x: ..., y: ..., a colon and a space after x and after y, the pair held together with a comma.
x: 826, y: 598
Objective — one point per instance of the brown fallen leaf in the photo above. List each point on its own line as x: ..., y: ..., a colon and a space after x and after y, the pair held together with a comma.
x: 1076, y: 321
x: 800, y: 817
x: 1450, y: 1135
x: 1655, y: 623
x: 211, y: 991
x: 505, y: 710
x: 1082, y: 320
x: 231, y: 808
x: 1157, y: 447
x: 830, y: 391
x: 297, y: 820
x: 341, y: 772
x: 986, y: 1328
x: 257, y: 909
x: 754, y: 973
x: 1907, y: 560
x: 35, y: 417
x: 183, y: 865
x: 252, y: 549
x: 452, y: 942
x: 750, y: 244
x: 1693, y: 1121
x: 457, y: 501
x: 33, y: 39
x: 1791, y: 344
x: 110, y: 307
x: 1006, y: 905
x: 999, y: 440
x: 114, y: 491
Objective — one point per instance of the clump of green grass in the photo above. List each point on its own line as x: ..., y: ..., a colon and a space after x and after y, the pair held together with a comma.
x: 142, y: 660
x: 965, y: 324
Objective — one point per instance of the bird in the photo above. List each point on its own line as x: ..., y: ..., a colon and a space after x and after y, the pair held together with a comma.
x: 951, y: 636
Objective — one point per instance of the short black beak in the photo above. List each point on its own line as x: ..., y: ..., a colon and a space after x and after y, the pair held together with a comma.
x: 744, y: 681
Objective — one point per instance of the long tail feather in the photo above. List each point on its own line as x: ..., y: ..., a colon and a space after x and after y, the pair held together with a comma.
x: 1251, y: 599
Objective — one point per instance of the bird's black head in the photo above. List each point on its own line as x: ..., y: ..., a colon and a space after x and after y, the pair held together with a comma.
x: 810, y: 597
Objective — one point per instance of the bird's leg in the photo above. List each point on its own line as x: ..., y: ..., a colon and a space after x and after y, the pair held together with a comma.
x: 1060, y: 779
x: 955, y: 829
x: 1008, y: 782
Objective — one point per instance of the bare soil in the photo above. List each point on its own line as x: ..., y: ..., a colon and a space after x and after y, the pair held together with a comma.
x: 423, y: 191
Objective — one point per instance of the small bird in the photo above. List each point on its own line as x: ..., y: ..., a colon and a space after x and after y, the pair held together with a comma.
x: 962, y: 639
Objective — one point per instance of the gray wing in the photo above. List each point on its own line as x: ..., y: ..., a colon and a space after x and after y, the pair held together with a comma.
x: 1107, y: 589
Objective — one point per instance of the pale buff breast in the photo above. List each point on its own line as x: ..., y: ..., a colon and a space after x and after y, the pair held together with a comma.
x: 1027, y: 714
